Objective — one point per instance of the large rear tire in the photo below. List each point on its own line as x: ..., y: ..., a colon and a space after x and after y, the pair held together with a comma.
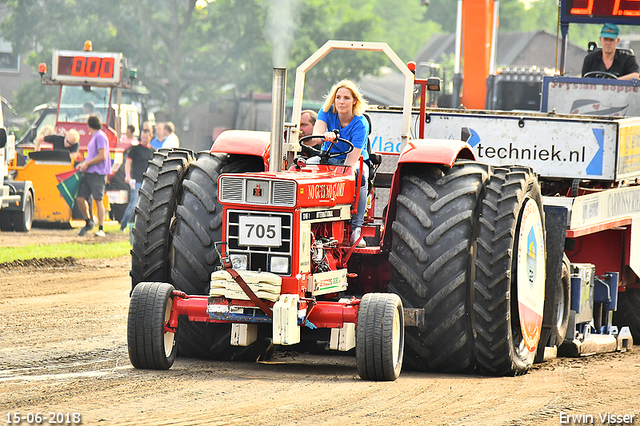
x: 198, y: 227
x: 154, y: 213
x: 151, y: 346
x: 432, y: 261
x: 380, y: 337
x: 510, y: 273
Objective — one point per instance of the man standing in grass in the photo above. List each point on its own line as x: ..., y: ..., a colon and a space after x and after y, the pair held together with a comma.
x: 94, y: 170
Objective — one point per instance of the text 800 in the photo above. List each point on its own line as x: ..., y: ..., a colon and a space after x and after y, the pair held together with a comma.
x: 50, y: 418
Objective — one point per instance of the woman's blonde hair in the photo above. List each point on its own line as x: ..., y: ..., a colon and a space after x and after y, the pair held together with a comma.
x: 358, y: 108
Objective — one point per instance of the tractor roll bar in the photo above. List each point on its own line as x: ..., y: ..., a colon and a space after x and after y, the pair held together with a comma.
x: 353, y: 45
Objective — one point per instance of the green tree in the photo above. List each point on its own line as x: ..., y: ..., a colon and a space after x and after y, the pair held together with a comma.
x: 184, y: 54
x: 442, y: 12
x: 187, y: 55
x: 402, y: 25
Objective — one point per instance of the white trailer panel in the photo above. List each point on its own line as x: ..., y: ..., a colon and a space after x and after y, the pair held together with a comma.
x: 554, y: 146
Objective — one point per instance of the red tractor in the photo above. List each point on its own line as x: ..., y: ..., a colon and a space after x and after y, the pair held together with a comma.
x: 232, y: 256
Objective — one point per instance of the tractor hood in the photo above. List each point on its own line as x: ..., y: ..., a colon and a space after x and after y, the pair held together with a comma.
x: 310, y: 186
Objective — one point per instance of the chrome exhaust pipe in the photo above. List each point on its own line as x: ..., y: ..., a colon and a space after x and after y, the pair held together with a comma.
x: 277, y: 119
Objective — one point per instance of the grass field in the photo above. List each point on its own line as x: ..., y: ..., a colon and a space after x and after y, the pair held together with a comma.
x: 79, y: 250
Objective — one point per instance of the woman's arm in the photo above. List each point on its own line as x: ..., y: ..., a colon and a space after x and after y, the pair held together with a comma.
x: 353, y: 158
x: 359, y: 139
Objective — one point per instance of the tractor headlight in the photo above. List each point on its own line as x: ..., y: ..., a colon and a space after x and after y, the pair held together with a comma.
x: 239, y: 261
x: 279, y: 265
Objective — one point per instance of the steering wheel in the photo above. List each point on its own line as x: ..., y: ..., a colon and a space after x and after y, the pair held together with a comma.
x: 601, y: 74
x: 324, y: 155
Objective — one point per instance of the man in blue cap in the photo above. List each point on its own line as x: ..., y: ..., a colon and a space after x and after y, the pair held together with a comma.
x: 620, y: 63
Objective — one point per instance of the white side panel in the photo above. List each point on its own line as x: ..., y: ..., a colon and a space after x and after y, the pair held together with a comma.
x: 553, y: 147
x: 594, y: 99
x: 606, y: 206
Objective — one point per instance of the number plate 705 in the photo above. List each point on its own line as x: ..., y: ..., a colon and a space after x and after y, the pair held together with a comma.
x: 260, y: 231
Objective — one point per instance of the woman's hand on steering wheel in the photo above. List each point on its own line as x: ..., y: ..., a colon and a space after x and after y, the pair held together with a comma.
x: 326, y: 155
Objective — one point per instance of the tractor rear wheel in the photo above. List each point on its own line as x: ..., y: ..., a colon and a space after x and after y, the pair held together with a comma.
x: 151, y: 346
x: 628, y: 313
x: 510, y: 273
x: 198, y: 227
x: 153, y: 215
x: 380, y: 337
x: 432, y: 261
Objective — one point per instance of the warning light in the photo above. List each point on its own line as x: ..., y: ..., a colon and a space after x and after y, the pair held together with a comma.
x: 42, y: 68
x: 412, y: 66
x: 88, y: 46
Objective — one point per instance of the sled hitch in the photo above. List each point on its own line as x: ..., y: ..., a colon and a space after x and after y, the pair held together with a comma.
x: 414, y: 317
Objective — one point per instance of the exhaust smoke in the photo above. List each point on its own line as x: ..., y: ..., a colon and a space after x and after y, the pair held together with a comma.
x: 283, y: 18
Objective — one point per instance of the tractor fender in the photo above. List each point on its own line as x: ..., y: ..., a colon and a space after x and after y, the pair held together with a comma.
x: 435, y: 151
x: 423, y: 151
x: 21, y: 188
x: 244, y: 142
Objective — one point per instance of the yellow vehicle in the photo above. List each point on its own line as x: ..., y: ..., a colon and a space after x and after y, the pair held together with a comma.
x: 16, y: 196
x: 87, y: 80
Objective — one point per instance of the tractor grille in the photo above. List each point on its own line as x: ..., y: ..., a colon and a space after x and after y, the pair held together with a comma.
x: 281, y: 193
x: 232, y: 190
x: 259, y: 257
x: 284, y: 193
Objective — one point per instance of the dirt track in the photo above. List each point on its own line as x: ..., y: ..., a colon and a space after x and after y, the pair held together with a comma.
x: 63, y: 350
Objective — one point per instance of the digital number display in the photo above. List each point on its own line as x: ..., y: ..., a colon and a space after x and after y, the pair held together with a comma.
x: 90, y: 67
x: 82, y: 66
x: 601, y: 11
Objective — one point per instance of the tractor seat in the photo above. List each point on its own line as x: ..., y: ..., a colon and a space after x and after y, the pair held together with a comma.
x: 374, y: 159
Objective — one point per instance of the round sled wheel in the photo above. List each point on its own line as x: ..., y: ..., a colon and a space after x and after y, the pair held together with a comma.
x: 563, y: 303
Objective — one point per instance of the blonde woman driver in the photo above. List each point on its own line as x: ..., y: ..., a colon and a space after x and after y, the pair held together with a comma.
x: 343, y: 111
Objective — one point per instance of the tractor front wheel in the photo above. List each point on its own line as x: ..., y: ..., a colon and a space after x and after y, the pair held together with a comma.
x: 151, y: 345
x: 380, y: 337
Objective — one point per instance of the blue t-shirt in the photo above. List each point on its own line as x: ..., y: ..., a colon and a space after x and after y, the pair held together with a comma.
x: 156, y: 144
x: 356, y: 132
